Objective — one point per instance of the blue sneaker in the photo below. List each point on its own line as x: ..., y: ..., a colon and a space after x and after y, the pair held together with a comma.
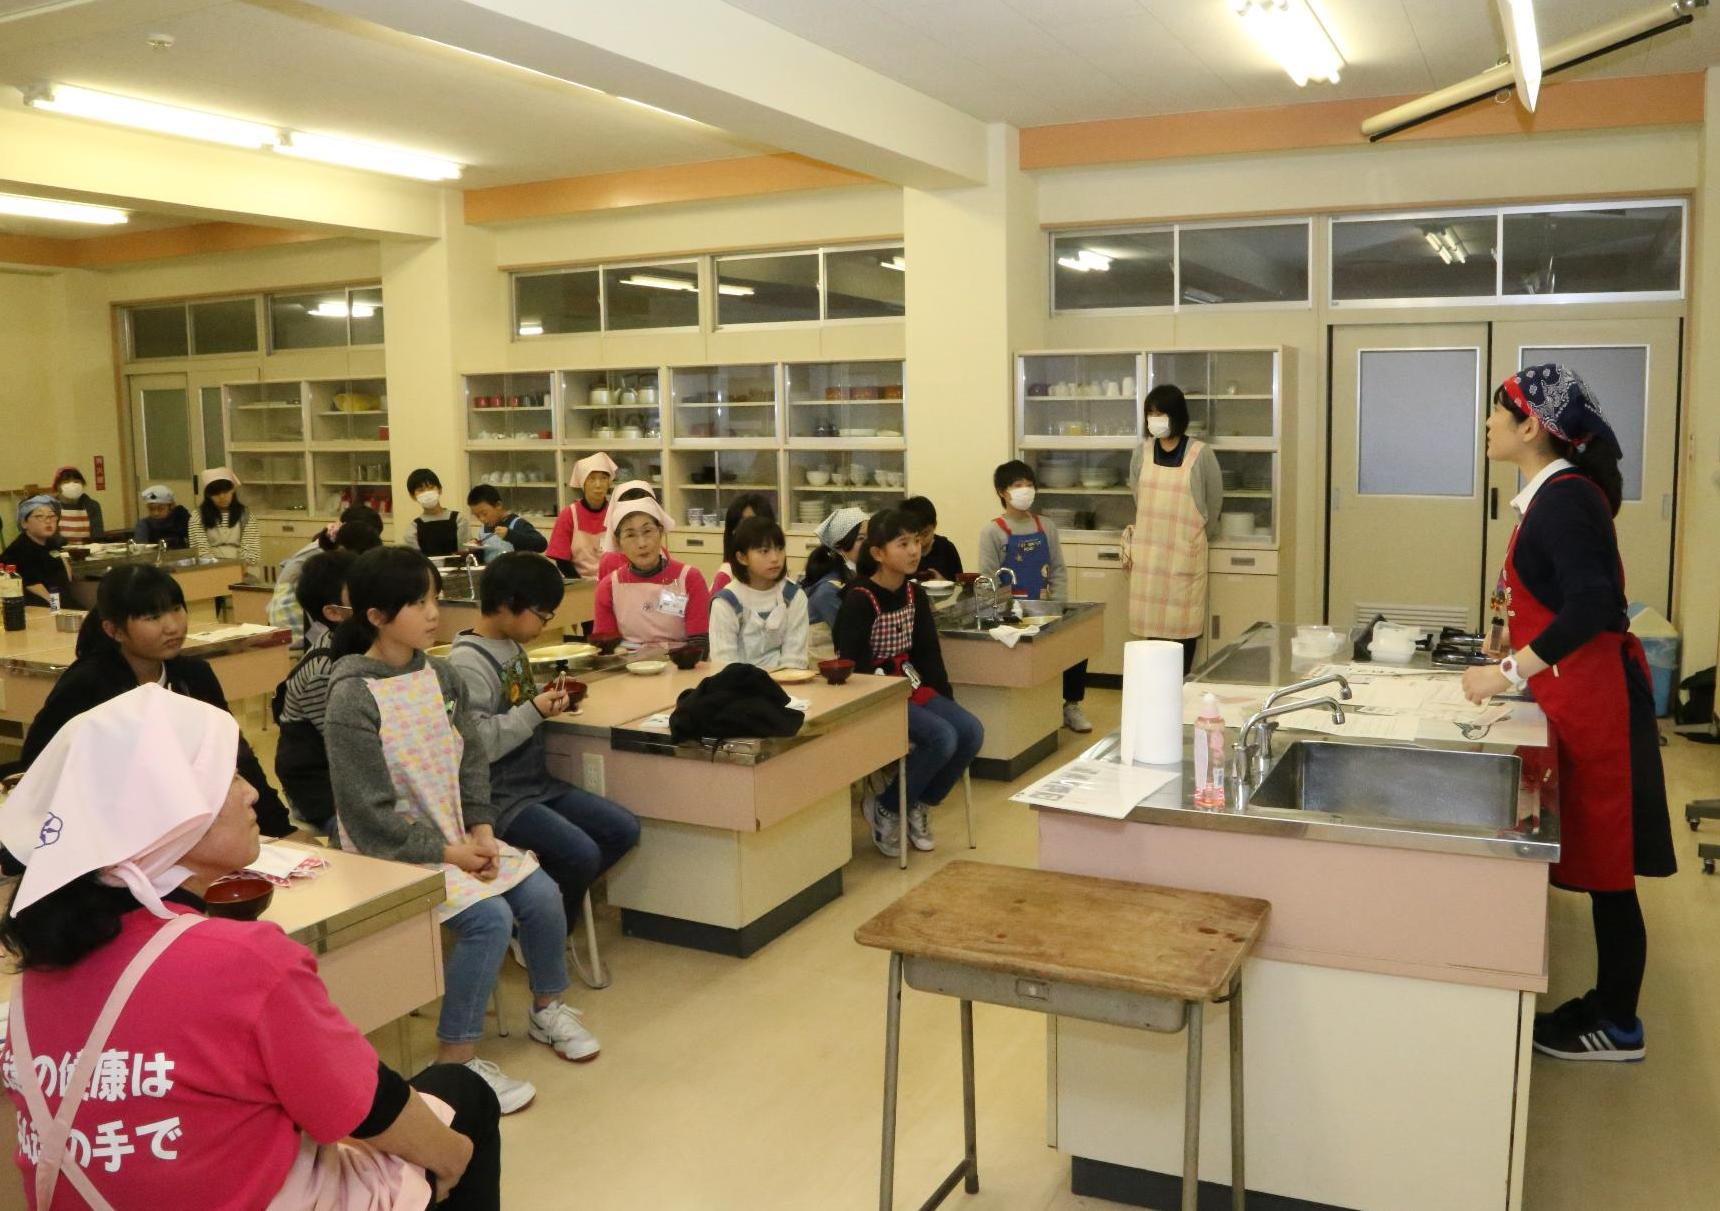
x: 1585, y: 1035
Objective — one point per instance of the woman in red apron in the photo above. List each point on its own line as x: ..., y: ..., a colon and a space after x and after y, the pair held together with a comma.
x: 1562, y: 597
x: 575, y: 542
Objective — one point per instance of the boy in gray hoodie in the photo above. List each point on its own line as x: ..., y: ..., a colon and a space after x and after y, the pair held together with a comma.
x: 575, y: 834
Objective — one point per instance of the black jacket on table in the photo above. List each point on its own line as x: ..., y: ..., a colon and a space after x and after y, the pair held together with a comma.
x: 1567, y: 558
x: 852, y: 632
x: 104, y: 674
x: 37, y: 565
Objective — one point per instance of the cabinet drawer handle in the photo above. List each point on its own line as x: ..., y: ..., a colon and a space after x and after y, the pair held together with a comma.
x: 695, y: 542
x: 1242, y: 561
x: 1111, y: 556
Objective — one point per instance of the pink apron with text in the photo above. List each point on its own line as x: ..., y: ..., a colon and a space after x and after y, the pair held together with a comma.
x: 645, y: 612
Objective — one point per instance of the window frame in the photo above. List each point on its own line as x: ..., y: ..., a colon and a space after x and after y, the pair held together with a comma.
x: 515, y: 275
x: 1499, y: 298
x: 717, y: 259
x: 700, y: 275
x: 824, y: 251
x: 346, y: 290
x: 1177, y: 305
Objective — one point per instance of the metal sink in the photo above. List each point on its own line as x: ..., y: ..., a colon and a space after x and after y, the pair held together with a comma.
x: 1428, y: 786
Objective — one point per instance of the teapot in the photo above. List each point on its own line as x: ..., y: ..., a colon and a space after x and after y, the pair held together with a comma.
x: 627, y: 398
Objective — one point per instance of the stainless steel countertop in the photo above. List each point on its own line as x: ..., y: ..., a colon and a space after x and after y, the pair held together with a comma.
x: 1261, y: 656
x: 179, y: 560
x: 955, y: 620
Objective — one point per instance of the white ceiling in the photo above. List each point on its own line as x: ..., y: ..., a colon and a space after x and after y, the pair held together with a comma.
x: 1036, y: 62
x: 292, y: 64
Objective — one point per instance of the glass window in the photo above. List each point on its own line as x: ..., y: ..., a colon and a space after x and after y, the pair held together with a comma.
x: 166, y: 433
x: 1617, y: 377
x: 1625, y: 250
x: 158, y: 331
x: 1419, y: 410
x: 1431, y: 257
x: 865, y: 283
x: 767, y: 289
x: 651, y: 296
x: 548, y: 303
x: 365, y: 303
x: 229, y: 326
x: 1123, y: 269
x: 1263, y: 264
x: 214, y: 437
x: 308, y: 321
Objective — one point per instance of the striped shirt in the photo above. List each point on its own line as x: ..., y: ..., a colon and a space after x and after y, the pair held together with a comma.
x: 74, y: 524
x: 307, y: 685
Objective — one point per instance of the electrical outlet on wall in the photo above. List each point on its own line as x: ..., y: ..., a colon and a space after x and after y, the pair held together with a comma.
x: 591, y: 773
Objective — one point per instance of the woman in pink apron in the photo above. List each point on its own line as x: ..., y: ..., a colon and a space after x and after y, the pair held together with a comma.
x: 653, y: 600
x: 1562, y: 597
x: 575, y: 542
x: 158, y: 1059
x: 1179, y: 491
x: 412, y: 784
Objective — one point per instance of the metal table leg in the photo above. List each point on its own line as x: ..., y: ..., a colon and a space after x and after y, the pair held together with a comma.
x: 1238, y: 1179
x: 902, y: 808
x: 969, y: 1124
x: 1194, y: 1015
x: 967, y: 797
x: 892, y: 1047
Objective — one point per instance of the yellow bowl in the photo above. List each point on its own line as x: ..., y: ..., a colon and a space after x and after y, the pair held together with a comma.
x: 354, y: 401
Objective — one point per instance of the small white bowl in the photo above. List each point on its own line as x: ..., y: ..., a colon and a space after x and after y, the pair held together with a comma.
x: 938, y: 588
x: 647, y: 668
x: 818, y: 478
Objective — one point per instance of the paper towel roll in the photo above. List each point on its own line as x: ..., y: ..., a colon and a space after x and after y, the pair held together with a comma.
x: 1152, y: 702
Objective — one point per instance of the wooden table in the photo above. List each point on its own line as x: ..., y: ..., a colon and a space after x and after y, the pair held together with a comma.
x: 741, y: 844
x: 1097, y: 949
x: 372, y: 926
x: 202, y: 581
x: 461, y: 613
x: 1017, y: 693
x: 250, y: 601
x: 32, y: 660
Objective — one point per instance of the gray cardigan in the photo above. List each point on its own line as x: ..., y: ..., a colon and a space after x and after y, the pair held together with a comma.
x: 364, y: 797
x: 1206, y: 484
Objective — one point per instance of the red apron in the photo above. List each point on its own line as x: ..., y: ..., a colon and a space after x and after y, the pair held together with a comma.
x: 1588, y: 709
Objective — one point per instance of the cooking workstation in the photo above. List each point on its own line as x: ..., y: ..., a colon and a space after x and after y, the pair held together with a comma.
x: 1407, y: 869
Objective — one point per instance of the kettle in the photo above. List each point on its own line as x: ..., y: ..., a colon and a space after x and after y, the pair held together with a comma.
x: 627, y: 397
x: 599, y: 397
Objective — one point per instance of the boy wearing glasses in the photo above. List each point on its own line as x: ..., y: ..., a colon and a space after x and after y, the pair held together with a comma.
x: 575, y: 834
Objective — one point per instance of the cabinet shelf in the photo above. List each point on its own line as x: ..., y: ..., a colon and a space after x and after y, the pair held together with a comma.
x: 745, y: 403
x: 847, y: 489
x: 1087, y: 399
x: 1249, y: 493
x: 843, y: 403
x: 1080, y: 491
x: 513, y: 408
x: 1256, y: 398
x: 275, y: 406
x: 606, y: 407
x: 726, y: 485
x: 365, y: 415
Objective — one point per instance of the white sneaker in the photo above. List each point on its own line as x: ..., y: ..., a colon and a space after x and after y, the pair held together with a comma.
x: 558, y: 1025
x: 920, y: 827
x: 513, y: 1095
x: 1075, y: 719
x: 518, y: 953
x: 886, y: 826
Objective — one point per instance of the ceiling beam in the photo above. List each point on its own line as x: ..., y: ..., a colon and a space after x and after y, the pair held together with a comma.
x: 717, y: 65
x: 157, y: 244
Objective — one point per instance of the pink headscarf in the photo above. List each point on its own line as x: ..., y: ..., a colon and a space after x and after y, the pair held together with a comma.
x: 128, y: 789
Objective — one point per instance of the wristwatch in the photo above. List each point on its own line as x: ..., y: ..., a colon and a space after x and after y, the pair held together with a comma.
x: 1508, y: 666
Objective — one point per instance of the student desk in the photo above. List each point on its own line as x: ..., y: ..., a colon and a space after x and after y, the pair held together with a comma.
x: 372, y: 927
x: 201, y: 580
x: 1017, y: 692
x: 741, y: 843
x: 247, y: 663
x: 461, y: 613
x: 250, y: 601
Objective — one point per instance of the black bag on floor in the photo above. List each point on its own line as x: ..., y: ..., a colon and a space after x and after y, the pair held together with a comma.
x: 1695, y: 706
x: 737, y: 702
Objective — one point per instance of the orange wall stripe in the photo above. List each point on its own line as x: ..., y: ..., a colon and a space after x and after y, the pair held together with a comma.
x: 746, y: 176
x: 1670, y: 100
x: 128, y: 247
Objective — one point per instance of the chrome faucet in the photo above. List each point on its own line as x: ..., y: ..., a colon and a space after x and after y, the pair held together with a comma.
x: 1249, y: 759
x: 1302, y: 687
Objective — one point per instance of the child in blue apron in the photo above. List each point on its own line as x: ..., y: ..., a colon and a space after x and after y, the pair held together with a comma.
x: 1026, y: 546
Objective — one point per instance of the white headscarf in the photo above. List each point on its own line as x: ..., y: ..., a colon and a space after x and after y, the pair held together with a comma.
x: 127, y: 788
x: 616, y: 491
x: 215, y: 475
x: 590, y: 465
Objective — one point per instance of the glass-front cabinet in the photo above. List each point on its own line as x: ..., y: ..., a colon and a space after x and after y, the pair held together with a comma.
x: 340, y: 479
x: 703, y: 482
x: 611, y: 409
x: 273, y: 481
x: 527, y: 480
x: 725, y: 403
x: 348, y: 412
x: 841, y: 402
x: 265, y: 414
x: 1080, y: 417
x: 510, y: 408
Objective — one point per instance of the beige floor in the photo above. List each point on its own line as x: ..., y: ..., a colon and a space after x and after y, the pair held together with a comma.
x: 754, y: 1085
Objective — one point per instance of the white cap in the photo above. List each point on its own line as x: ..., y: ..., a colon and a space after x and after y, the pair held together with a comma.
x: 1209, y: 707
x: 157, y: 494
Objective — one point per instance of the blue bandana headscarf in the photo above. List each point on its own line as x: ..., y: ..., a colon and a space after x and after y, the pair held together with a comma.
x: 27, y: 507
x: 1556, y: 397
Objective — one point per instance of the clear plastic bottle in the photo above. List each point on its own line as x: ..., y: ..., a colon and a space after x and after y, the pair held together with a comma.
x: 1209, y: 754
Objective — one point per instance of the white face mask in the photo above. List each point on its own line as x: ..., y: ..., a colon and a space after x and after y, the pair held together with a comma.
x: 1021, y: 498
x: 428, y: 500
x: 71, y: 489
x: 1159, y: 426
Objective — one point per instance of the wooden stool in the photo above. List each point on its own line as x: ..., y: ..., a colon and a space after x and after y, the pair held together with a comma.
x: 1099, y: 949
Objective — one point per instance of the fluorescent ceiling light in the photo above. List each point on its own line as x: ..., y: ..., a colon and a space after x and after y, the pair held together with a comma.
x: 661, y: 283
x: 150, y: 115
x: 1086, y: 260
x: 61, y: 212
x: 1524, y: 46
x: 336, y: 309
x: 1289, y: 31
x: 896, y: 263
x: 349, y: 153
x: 1447, y: 246
x: 531, y: 328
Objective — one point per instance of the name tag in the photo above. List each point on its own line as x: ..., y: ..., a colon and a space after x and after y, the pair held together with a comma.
x: 672, y: 602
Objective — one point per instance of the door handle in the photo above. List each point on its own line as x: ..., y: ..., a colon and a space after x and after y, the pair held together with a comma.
x: 1493, y: 504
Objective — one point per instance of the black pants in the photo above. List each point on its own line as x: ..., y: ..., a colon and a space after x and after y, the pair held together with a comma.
x: 1621, y: 954
x: 1189, y: 646
x: 478, y: 1118
x: 1075, y: 682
